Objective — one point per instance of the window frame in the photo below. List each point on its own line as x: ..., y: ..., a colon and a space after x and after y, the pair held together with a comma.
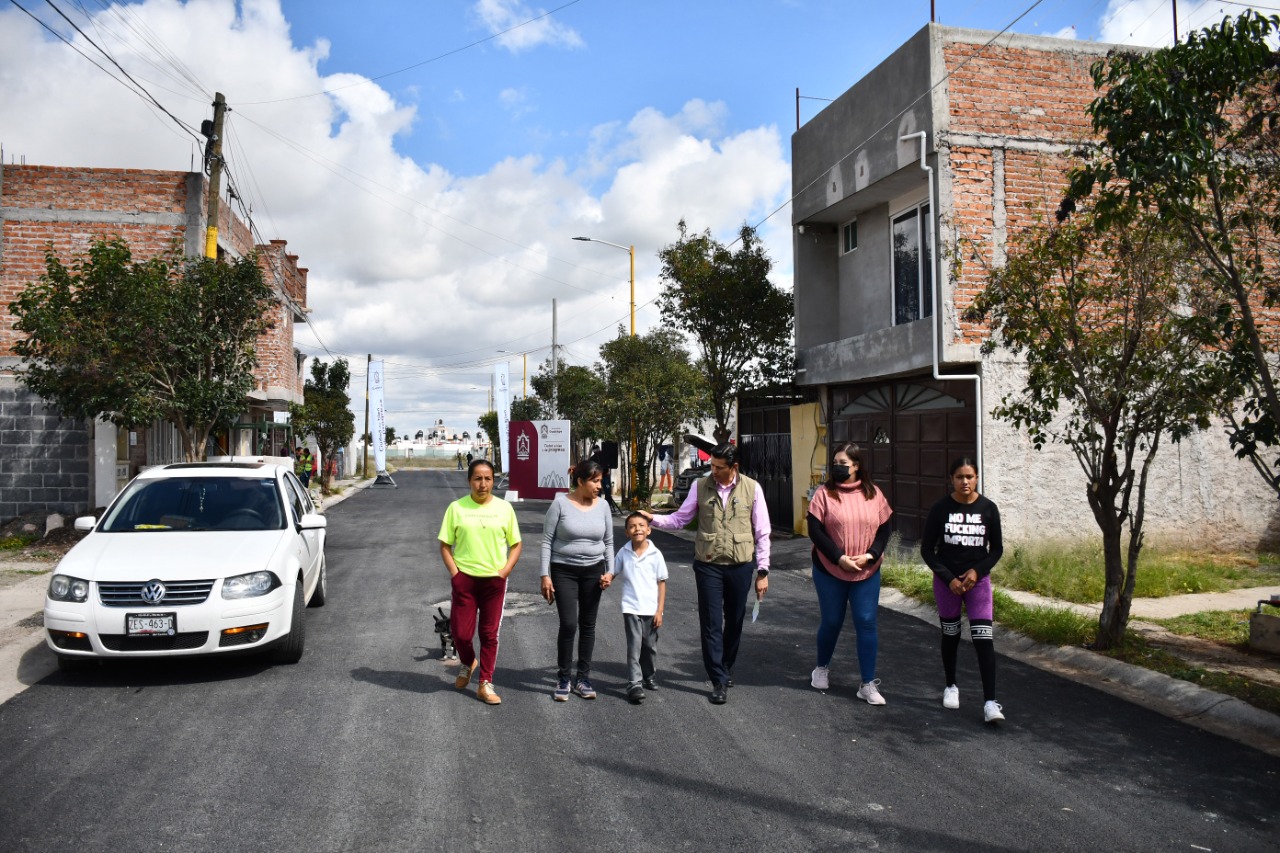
x: 846, y: 229
x: 922, y: 208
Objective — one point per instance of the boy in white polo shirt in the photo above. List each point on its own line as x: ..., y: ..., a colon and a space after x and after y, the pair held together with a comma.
x: 644, y: 594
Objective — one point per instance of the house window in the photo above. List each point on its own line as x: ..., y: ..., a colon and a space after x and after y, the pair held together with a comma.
x: 849, y: 233
x: 912, y: 265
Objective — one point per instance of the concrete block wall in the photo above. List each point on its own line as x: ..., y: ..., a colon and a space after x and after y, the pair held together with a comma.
x: 44, y: 458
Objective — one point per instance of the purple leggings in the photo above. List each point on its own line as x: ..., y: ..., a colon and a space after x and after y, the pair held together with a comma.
x: 977, y: 601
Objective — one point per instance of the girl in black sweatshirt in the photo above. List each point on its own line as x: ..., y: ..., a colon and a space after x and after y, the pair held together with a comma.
x: 961, y: 544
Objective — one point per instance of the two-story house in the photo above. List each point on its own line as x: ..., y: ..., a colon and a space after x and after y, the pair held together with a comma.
x: 907, y: 188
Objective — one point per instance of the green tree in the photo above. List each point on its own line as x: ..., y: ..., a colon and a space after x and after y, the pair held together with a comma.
x: 740, y: 322
x: 526, y: 409
x: 390, y: 436
x: 489, y: 423
x: 578, y: 393
x: 1193, y: 132
x: 651, y: 388
x: 1115, y: 365
x: 133, y: 342
x: 326, y: 411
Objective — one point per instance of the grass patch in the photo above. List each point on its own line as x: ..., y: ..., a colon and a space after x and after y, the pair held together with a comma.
x: 1220, y: 626
x: 1074, y: 572
x: 1137, y: 651
x: 17, y: 541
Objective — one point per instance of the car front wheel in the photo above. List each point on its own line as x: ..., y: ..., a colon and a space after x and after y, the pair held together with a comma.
x: 289, y: 648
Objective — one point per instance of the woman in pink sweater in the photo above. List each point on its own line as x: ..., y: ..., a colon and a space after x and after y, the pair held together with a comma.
x: 849, y: 525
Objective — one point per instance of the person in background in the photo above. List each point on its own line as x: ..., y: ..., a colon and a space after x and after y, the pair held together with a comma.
x: 666, y: 454
x: 300, y: 467
x: 479, y: 544
x: 577, y: 548
x: 848, y: 522
x: 644, y: 596
x: 962, y: 543
x: 731, y: 549
x: 606, y: 482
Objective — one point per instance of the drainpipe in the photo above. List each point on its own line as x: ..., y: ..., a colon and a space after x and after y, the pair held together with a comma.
x: 936, y: 325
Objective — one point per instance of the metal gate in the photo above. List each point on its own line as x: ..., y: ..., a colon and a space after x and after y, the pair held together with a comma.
x: 909, y: 431
x: 764, y: 439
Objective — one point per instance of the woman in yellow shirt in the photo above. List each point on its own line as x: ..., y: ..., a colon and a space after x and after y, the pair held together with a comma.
x: 480, y: 544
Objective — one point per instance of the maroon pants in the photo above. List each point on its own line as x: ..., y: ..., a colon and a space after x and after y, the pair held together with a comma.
x: 477, y: 599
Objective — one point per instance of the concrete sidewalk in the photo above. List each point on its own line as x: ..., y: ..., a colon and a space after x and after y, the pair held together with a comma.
x: 24, y: 657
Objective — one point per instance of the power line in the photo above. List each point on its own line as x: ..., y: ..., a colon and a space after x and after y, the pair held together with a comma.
x: 112, y: 60
x: 423, y: 62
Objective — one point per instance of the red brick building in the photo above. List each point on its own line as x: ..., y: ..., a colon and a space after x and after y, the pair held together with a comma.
x: 907, y: 188
x: 56, y: 464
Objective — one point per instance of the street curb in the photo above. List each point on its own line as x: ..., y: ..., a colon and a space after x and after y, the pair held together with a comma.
x: 1179, y: 700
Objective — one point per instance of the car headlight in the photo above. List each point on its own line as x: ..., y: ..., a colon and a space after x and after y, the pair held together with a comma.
x: 249, y: 586
x: 67, y: 588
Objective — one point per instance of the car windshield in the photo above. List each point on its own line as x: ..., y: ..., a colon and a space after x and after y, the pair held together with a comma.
x: 198, y: 503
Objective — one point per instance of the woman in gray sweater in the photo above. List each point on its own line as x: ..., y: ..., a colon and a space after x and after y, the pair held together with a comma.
x: 577, y: 549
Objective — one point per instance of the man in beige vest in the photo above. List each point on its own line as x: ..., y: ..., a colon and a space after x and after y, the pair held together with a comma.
x: 732, y: 540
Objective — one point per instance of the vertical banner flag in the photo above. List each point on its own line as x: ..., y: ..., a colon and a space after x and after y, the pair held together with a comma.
x: 378, y: 406
x: 540, y: 458
x: 502, y: 403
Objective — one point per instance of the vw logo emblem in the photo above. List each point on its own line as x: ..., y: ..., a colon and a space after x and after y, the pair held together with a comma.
x: 153, y: 592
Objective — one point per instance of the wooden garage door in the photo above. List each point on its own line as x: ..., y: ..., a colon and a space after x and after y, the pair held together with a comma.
x: 910, y: 431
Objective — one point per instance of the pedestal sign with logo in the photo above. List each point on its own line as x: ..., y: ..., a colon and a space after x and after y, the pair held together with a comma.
x: 540, y: 458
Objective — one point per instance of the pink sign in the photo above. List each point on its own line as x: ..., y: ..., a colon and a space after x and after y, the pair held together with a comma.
x: 539, y: 456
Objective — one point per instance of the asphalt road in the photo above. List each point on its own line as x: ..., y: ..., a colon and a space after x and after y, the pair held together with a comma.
x: 366, y: 746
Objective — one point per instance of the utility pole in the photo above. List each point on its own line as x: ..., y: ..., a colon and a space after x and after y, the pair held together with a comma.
x: 213, y: 162
x: 1175, y: 21
x: 555, y: 375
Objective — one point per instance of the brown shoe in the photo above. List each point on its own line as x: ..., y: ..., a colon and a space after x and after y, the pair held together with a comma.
x: 464, y: 677
x: 486, y: 695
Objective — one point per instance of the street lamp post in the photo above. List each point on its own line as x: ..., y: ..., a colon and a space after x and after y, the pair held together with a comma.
x: 631, y: 251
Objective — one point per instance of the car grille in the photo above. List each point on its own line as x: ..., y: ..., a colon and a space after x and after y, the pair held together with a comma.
x: 162, y: 643
x: 176, y: 594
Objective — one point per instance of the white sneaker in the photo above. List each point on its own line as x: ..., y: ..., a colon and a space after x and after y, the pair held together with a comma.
x: 820, y: 678
x: 951, y: 697
x: 870, y: 692
x: 991, y: 712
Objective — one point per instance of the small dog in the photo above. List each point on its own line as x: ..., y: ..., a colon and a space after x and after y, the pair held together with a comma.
x: 447, y: 650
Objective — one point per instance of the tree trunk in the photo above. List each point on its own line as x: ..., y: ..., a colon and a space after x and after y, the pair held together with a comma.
x: 1115, y: 607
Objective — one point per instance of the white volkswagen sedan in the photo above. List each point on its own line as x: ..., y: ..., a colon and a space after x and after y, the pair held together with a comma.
x: 192, y: 559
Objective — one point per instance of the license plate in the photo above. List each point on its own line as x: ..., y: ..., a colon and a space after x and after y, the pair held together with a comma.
x: 147, y: 624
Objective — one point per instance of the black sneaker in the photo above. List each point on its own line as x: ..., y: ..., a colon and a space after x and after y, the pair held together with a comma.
x: 650, y: 684
x: 635, y: 695
x: 719, y: 694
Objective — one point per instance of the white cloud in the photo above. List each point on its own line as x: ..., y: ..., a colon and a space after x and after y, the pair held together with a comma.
x: 408, y: 260
x: 501, y: 16
x: 1068, y: 32
x: 1150, y: 22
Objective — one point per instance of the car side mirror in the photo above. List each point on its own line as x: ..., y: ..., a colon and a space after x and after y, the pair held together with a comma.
x: 85, y: 523
x: 313, y: 521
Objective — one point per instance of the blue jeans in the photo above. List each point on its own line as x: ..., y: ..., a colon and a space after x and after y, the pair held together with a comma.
x: 863, y: 597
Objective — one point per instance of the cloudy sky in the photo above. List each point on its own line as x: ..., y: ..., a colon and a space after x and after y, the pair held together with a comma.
x: 430, y: 162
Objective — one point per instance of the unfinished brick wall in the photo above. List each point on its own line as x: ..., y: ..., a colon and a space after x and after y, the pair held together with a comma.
x: 45, y: 460
x: 277, y: 364
x: 1015, y: 114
